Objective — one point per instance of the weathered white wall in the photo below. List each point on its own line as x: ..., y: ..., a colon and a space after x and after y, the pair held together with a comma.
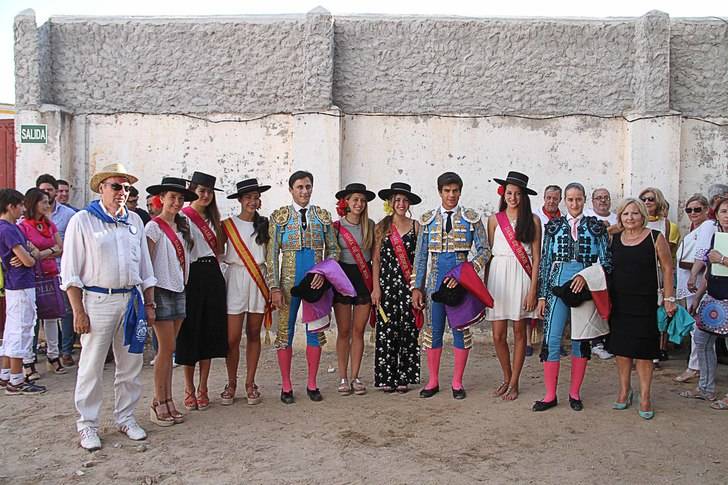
x: 379, y: 150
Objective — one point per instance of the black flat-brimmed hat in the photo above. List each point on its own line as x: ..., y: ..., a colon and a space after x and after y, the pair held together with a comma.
x: 173, y: 184
x: 248, y: 185
x: 356, y: 189
x: 201, y: 178
x: 518, y: 179
x: 304, y: 291
x: 400, y: 188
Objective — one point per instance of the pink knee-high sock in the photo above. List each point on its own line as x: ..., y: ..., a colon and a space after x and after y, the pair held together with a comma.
x: 313, y: 357
x: 550, y: 379
x: 461, y: 358
x: 433, y: 367
x: 578, y: 369
x: 284, y: 363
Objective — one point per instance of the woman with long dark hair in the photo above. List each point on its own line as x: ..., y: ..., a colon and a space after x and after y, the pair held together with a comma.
x: 203, y: 335
x: 514, y: 234
x: 170, y: 242
x: 40, y: 230
x: 246, y: 236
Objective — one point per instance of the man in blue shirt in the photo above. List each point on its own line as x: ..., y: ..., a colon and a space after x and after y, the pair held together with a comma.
x: 60, y: 215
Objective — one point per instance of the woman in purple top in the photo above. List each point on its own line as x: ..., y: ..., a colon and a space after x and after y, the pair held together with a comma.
x: 18, y: 258
x: 42, y: 232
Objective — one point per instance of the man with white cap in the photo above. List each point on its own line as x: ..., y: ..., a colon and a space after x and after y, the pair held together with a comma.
x: 105, y: 263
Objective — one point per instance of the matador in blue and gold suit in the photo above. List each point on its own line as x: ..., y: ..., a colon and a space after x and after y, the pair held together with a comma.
x: 438, y: 251
x: 570, y: 244
x: 300, y: 246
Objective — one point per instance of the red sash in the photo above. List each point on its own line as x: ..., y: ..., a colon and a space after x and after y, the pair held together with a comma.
x: 400, y: 252
x: 178, y: 247
x: 361, y: 263
x: 228, y: 225
x: 518, y: 250
x: 204, y: 228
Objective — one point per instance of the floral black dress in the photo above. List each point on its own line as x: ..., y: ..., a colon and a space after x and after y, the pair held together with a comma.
x: 397, y: 354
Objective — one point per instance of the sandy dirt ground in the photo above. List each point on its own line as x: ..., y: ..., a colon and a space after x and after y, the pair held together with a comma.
x: 377, y: 438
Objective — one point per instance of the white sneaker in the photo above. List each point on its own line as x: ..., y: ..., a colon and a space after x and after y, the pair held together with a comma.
x: 602, y: 353
x: 90, y: 439
x: 132, y: 430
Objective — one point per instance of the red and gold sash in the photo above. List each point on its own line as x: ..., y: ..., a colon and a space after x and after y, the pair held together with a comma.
x: 400, y: 252
x: 228, y: 225
x: 361, y: 263
x: 176, y: 243
x: 518, y: 250
x: 204, y: 228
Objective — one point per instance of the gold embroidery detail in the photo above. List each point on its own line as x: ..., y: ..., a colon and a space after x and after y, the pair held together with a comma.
x: 281, y: 216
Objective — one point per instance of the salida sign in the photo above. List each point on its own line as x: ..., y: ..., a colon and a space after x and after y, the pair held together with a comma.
x: 33, y: 133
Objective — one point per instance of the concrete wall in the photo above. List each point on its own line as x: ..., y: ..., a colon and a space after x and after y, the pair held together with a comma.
x: 608, y: 102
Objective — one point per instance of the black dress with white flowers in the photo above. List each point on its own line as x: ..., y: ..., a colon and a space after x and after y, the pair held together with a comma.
x: 397, y: 355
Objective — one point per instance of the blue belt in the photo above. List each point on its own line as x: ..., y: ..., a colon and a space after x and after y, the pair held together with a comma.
x: 108, y: 291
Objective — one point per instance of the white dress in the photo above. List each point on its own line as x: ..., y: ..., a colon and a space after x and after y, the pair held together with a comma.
x: 243, y: 294
x: 508, y: 282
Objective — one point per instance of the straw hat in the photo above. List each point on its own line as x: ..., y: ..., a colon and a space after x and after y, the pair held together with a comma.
x: 111, y: 170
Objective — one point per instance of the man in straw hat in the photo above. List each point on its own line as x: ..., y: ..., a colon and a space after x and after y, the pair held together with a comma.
x: 105, y: 263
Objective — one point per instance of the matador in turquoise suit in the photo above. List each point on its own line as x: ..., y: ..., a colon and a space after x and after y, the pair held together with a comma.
x: 444, y: 241
x: 300, y: 236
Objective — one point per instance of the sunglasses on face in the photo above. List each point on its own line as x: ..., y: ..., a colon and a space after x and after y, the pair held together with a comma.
x: 647, y: 199
x: 690, y: 210
x: 117, y: 187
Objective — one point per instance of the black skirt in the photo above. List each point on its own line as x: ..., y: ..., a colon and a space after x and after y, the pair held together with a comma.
x: 203, y: 334
x: 633, y: 326
x: 363, y: 296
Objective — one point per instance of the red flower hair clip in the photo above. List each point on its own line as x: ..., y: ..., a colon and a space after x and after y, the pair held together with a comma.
x: 341, y: 207
x: 501, y: 190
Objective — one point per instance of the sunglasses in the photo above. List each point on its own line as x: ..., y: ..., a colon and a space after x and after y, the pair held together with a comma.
x: 690, y: 210
x: 647, y: 199
x: 117, y: 187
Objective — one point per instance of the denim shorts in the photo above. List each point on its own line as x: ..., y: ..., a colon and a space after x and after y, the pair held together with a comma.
x: 170, y: 304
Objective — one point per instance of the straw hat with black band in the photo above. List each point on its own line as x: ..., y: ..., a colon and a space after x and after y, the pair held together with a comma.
x: 173, y: 184
x: 111, y: 170
x: 518, y: 179
x: 400, y: 188
x: 246, y: 186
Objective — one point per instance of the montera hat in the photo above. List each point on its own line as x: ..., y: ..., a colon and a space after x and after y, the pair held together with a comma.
x: 356, y: 189
x: 518, y: 179
x: 201, y: 178
x: 111, y: 170
x: 400, y: 188
x: 173, y: 184
x: 248, y: 185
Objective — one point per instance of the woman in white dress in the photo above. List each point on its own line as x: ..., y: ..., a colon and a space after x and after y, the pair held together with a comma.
x: 696, y: 209
x: 246, y: 239
x: 514, y: 234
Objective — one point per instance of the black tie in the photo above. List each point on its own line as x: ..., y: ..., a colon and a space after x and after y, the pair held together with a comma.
x: 303, y: 218
x: 448, y: 224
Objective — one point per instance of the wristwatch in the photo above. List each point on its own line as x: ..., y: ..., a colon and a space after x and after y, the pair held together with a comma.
x: 671, y: 299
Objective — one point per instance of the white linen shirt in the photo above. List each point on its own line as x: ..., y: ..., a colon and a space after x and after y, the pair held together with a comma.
x: 97, y: 253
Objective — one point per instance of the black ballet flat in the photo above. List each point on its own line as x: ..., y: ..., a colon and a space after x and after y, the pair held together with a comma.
x: 287, y: 397
x: 429, y: 392
x: 458, y: 393
x: 544, y: 405
x: 576, y: 404
x: 314, y: 395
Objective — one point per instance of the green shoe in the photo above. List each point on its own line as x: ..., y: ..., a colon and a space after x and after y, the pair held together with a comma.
x: 623, y: 405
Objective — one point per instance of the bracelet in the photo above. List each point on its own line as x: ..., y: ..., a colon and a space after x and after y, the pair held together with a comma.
x: 722, y: 260
x: 151, y: 304
x: 671, y: 299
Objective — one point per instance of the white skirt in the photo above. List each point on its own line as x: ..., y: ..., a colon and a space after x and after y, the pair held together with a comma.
x: 508, y: 283
x: 243, y: 294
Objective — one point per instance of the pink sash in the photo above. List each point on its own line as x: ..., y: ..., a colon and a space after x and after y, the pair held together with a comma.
x: 207, y: 233
x: 518, y: 250
x: 176, y: 243
x: 361, y: 263
x: 400, y: 252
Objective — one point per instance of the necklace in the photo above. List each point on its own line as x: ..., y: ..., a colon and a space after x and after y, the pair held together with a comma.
x: 628, y: 240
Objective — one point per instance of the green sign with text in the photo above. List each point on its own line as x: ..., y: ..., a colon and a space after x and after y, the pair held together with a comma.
x: 33, y: 133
